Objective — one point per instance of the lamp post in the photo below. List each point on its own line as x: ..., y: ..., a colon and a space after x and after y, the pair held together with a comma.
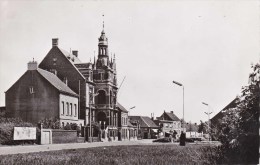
x: 130, y: 109
x: 90, y: 114
x: 208, y: 113
x: 179, y: 84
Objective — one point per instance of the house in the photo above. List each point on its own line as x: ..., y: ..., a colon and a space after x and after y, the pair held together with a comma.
x: 39, y: 94
x: 147, y: 129
x: 168, y: 123
x: 126, y: 131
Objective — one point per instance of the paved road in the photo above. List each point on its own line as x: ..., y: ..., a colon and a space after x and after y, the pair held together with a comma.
x: 5, y: 150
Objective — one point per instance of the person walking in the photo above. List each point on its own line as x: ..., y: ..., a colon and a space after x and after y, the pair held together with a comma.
x: 182, y: 139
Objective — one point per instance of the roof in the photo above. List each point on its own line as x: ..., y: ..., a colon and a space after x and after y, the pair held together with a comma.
x: 70, y: 56
x: 220, y: 115
x: 56, y: 82
x: 120, y: 107
x: 172, y: 116
x: 129, y: 124
x: 144, y: 121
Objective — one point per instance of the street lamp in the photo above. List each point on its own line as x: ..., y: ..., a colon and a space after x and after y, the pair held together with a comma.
x: 208, y: 113
x: 92, y: 95
x: 130, y: 109
x: 179, y: 84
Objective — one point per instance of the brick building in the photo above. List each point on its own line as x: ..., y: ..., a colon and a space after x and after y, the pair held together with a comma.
x: 39, y: 94
x: 168, y: 123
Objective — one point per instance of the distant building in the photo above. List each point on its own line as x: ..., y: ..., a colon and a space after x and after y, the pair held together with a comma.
x: 147, y: 129
x: 39, y: 94
x: 168, y: 123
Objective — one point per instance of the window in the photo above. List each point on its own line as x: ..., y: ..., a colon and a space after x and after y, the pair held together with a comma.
x: 31, y: 90
x: 101, y: 97
x: 63, y: 110
x: 68, y: 108
x: 71, y: 109
x: 75, y: 106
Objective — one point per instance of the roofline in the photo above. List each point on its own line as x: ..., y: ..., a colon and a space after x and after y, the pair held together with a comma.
x: 61, y: 91
x: 65, y: 57
x: 72, y: 63
x: 16, y: 81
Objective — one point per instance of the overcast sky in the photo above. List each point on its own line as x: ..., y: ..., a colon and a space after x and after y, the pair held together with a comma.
x: 208, y: 46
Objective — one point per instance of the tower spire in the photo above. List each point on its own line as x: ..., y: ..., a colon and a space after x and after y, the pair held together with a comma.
x: 103, y: 22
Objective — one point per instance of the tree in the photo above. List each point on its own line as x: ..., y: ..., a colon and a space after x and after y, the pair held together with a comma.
x: 202, y: 127
x: 239, y: 129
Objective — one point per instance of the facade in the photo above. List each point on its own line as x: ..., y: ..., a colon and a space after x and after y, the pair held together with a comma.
x: 126, y: 131
x: 105, y: 79
x: 40, y: 94
x: 168, y: 123
x: 61, y: 63
x: 146, y: 128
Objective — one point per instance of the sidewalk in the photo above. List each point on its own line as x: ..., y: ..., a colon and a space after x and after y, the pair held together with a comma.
x: 5, y: 150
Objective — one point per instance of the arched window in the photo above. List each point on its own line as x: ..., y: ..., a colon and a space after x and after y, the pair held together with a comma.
x: 101, y: 97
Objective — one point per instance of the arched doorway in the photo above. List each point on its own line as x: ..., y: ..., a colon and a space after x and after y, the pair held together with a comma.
x: 102, y: 118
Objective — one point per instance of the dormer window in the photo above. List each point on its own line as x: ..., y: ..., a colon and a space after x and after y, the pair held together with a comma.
x: 31, y: 90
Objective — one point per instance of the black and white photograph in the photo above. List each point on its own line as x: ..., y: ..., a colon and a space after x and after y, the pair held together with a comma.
x: 149, y: 82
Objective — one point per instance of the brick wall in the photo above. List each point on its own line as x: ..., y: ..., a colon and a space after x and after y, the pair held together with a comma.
x: 32, y: 107
x: 64, y: 136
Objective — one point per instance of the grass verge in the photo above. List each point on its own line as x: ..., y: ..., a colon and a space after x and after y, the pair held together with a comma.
x: 127, y: 155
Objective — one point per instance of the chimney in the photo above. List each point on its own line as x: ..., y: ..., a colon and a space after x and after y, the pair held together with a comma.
x: 75, y: 53
x: 172, y: 112
x: 55, y: 42
x: 32, y: 65
x: 65, y: 80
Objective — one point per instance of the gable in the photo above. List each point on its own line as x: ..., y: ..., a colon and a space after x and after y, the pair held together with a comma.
x: 57, y: 60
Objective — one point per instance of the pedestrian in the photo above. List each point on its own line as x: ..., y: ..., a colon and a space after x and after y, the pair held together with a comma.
x: 171, y: 140
x: 182, y: 139
x: 174, y: 135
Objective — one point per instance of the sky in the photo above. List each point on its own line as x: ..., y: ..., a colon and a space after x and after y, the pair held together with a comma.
x: 208, y: 46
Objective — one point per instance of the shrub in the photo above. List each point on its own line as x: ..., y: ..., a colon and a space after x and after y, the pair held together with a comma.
x: 50, y: 123
x: 7, y: 129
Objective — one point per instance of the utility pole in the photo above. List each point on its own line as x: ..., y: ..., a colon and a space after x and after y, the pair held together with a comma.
x: 179, y: 84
